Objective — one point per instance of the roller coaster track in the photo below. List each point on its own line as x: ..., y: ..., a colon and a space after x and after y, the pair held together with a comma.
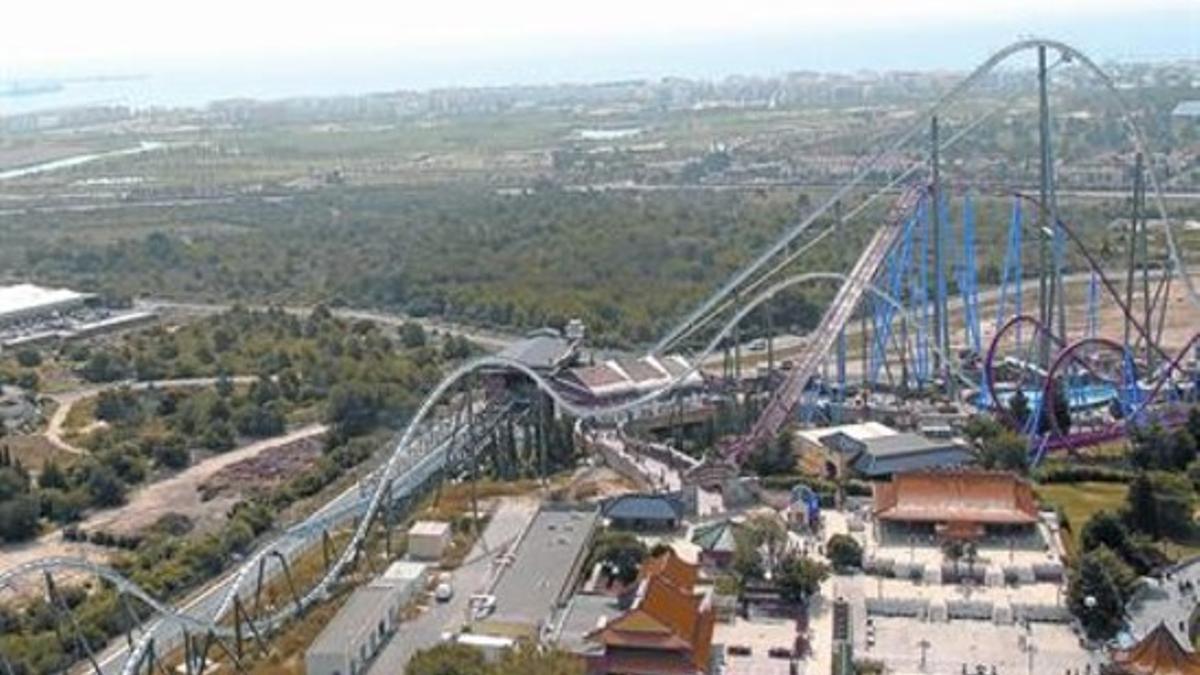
x: 420, y: 450
x: 787, y: 396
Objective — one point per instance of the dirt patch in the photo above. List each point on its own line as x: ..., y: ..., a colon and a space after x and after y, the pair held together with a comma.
x: 181, y: 493
x: 265, y: 470
x: 35, y: 450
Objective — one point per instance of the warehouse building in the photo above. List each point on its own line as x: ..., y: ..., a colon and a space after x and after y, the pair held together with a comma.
x: 24, y: 302
x: 876, y: 451
x: 357, y: 633
x: 363, y: 625
x: 545, y: 566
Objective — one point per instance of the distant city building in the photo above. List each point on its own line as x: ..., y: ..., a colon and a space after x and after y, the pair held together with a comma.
x: 32, y: 315
x: 1189, y: 110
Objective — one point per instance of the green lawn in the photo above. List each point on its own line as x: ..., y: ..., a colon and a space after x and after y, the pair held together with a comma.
x: 1080, y: 500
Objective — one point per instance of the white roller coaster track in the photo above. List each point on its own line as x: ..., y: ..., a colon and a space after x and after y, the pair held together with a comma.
x: 405, y: 467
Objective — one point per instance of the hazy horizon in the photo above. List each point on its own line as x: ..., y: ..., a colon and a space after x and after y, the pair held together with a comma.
x: 835, y: 41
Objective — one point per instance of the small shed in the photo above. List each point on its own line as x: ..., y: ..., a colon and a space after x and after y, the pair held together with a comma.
x: 407, y: 577
x: 428, y: 539
x: 644, y: 512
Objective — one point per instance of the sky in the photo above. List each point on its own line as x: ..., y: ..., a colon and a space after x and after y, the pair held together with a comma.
x: 254, y: 47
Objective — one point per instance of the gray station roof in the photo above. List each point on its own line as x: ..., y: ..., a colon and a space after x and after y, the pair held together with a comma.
x: 541, y: 350
x: 544, y: 561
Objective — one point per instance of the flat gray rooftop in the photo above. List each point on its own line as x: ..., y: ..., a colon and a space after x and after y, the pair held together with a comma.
x: 544, y: 562
x: 359, y: 616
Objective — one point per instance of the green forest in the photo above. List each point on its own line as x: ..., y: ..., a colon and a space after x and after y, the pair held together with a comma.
x: 628, y: 264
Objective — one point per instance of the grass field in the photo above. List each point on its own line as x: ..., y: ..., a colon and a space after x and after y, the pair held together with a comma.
x: 1080, y: 500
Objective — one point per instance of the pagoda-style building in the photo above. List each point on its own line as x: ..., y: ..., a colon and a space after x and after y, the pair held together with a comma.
x: 667, y: 629
x: 1159, y: 653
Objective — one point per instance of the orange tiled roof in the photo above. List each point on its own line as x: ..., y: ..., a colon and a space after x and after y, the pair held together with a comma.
x: 668, y: 615
x: 672, y: 568
x: 985, y: 497
x: 1159, y: 653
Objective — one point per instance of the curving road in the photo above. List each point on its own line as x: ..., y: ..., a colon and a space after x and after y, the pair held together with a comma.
x: 67, y: 400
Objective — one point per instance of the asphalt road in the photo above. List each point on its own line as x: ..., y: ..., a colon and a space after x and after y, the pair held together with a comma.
x: 476, y: 575
x: 488, y: 339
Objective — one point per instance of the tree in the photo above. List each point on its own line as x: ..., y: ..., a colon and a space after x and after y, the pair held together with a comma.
x: 747, y: 560
x: 776, y: 457
x: 352, y: 410
x: 1094, y: 594
x: 412, y: 335
x: 620, y: 554
x: 844, y: 552
x: 1140, y: 507
x: 528, y: 659
x: 170, y: 455
x: 19, y: 518
x: 1018, y: 407
x: 953, y: 550
x: 1193, y: 422
x: 448, y: 658
x: 767, y: 534
x: 117, y: 405
x: 1104, y: 528
x: 799, y: 577
x: 1161, y: 504
x: 1149, y: 447
x: 1005, y: 450
x: 104, y: 367
x: 1057, y: 415
x: 52, y: 476
x: 1182, y: 448
x: 29, y: 358
x: 104, y: 487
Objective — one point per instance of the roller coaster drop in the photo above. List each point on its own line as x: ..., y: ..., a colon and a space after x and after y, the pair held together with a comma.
x: 430, y: 447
